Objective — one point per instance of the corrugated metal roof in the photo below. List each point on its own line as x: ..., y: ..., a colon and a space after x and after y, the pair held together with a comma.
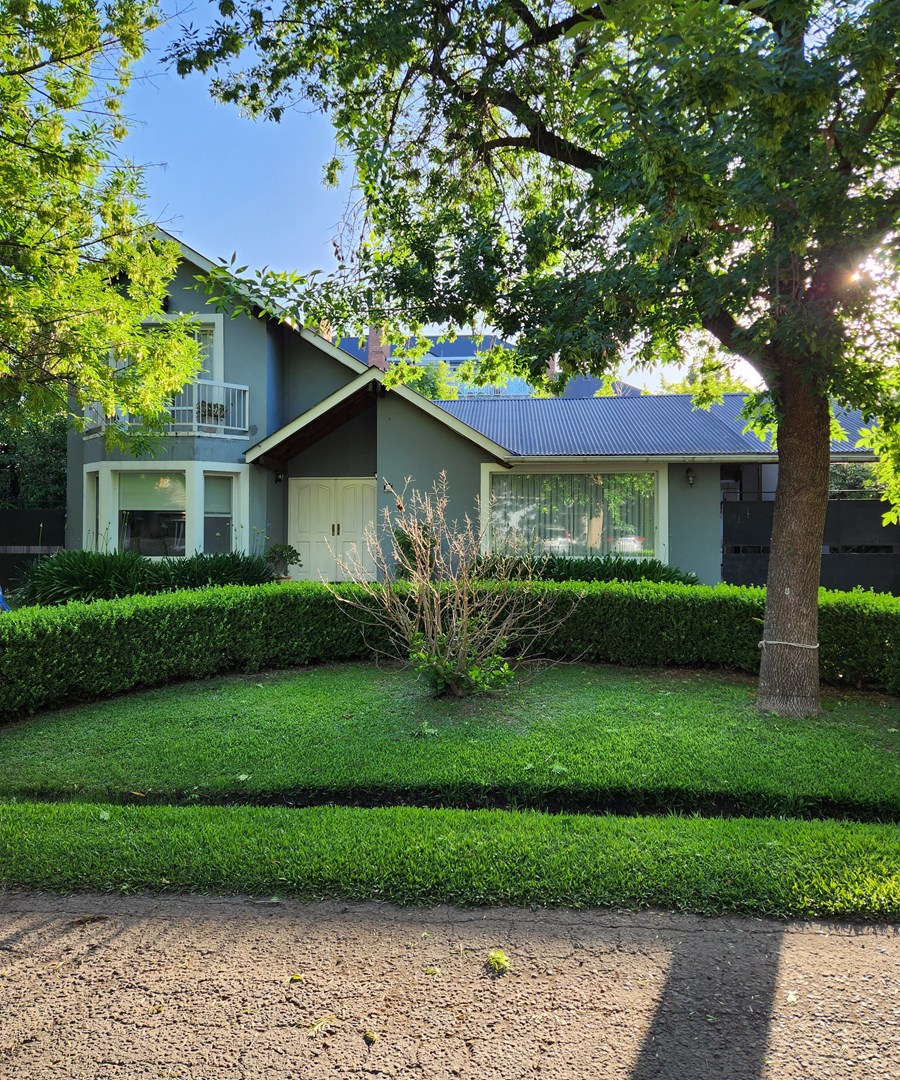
x: 657, y: 425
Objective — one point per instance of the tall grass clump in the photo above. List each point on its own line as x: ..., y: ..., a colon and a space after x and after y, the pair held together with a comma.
x: 109, y: 575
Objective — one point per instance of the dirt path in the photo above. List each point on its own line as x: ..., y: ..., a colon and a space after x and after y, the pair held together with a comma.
x: 200, y: 989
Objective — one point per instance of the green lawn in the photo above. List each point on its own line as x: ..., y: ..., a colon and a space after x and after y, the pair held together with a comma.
x: 571, y: 737
x: 410, y: 855
x: 86, y: 793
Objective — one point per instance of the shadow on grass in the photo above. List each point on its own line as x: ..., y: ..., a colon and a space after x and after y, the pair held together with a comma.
x: 600, y: 801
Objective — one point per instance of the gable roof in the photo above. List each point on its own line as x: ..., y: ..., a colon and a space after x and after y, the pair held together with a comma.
x: 660, y: 425
x: 348, y: 401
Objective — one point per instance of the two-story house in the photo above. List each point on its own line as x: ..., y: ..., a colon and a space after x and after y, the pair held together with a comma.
x: 286, y: 437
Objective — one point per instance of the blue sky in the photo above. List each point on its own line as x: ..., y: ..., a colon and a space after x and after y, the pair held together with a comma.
x: 223, y: 183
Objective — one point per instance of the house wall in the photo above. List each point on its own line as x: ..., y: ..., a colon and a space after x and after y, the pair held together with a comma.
x: 285, y: 376
x: 308, y: 377
x: 245, y: 350
x: 695, y: 530
x: 348, y: 451
x: 415, y: 446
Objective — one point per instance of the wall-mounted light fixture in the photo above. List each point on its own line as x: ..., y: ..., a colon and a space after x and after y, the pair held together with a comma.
x: 279, y: 476
x: 388, y: 486
x: 689, y: 476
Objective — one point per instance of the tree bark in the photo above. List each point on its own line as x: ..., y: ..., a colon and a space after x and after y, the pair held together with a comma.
x: 789, y: 669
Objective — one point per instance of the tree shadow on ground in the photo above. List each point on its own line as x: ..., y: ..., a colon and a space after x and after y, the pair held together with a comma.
x: 714, y: 1013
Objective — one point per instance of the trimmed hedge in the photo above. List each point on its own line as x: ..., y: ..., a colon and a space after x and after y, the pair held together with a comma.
x: 50, y: 656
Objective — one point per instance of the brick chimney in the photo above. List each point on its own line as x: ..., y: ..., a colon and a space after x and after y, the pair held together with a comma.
x: 326, y: 330
x: 378, y: 352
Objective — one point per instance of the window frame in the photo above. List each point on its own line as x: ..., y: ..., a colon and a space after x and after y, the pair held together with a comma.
x: 194, y: 476
x: 589, y: 466
x: 208, y: 474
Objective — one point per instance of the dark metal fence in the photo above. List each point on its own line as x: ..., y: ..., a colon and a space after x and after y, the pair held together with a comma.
x: 857, y: 549
x: 26, y: 535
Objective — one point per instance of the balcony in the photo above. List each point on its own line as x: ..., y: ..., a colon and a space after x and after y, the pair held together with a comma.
x: 203, y: 409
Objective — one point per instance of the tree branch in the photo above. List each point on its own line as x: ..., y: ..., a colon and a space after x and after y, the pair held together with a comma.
x: 543, y: 141
x: 726, y: 330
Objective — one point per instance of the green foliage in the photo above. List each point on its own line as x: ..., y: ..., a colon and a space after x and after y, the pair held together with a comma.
x: 441, y: 668
x: 99, y: 575
x: 598, y: 568
x: 50, y: 656
x: 79, y: 651
x: 608, y: 184
x: 853, y: 480
x: 32, y: 460
x: 433, y: 380
x: 281, y: 557
x: 87, y: 576
x: 604, y: 182
x: 708, y: 378
x: 497, y: 962
x: 709, y: 866
x: 82, y: 273
x: 222, y: 568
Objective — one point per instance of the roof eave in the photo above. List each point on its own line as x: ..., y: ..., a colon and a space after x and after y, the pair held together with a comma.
x: 325, y: 346
x: 767, y: 458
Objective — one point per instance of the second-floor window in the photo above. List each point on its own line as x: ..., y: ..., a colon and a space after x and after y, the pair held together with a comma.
x: 206, y: 338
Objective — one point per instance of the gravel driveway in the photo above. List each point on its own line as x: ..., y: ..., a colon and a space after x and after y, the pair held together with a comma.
x: 105, y: 987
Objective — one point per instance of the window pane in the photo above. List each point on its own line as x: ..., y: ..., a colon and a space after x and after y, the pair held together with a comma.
x: 217, y: 531
x: 152, y: 532
x: 574, y: 514
x: 217, y: 495
x: 151, y: 491
x: 152, y: 512
x: 205, y: 335
x: 217, y: 534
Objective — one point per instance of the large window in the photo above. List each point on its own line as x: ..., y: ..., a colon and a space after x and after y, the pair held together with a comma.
x: 152, y: 512
x: 217, y: 514
x: 574, y: 514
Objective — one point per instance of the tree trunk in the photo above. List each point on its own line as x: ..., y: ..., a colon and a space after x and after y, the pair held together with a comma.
x: 789, y: 672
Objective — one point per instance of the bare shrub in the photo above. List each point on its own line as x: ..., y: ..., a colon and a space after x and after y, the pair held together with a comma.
x: 460, y: 632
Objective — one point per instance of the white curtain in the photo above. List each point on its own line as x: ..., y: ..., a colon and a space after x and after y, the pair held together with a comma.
x: 574, y: 514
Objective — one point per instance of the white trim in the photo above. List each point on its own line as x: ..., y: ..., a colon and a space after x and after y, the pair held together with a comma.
x: 91, y: 517
x: 377, y: 375
x: 575, y: 465
x: 194, y: 472
x: 327, y: 347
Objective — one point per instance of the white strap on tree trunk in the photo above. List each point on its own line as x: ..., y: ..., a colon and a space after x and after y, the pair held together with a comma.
x: 793, y: 644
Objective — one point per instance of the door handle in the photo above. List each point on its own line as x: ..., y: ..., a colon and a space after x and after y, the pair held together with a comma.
x: 332, y: 530
x: 339, y: 529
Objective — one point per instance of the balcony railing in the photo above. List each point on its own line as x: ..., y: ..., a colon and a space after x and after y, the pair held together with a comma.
x: 205, y: 409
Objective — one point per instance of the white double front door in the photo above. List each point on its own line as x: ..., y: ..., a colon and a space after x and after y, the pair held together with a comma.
x: 327, y: 519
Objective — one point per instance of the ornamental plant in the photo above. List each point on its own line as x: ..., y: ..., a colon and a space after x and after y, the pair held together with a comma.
x: 429, y: 595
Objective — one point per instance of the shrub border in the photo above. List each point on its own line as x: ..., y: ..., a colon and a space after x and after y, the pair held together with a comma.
x: 68, y: 654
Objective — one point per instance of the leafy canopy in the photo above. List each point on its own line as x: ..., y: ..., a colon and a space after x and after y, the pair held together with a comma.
x: 82, y: 275
x: 602, y: 180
